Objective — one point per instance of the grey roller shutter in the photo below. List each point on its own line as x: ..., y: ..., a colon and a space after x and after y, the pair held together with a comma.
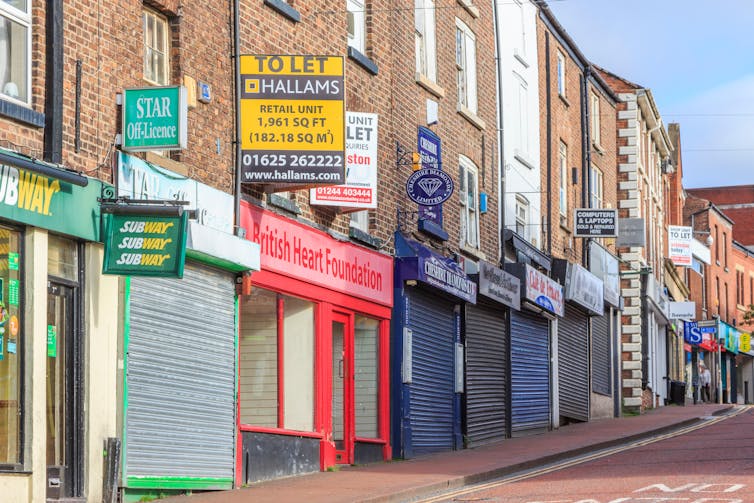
x: 530, y: 373
x: 573, y: 363
x: 432, y: 321
x: 180, y: 376
x: 601, y: 378
x: 486, y: 373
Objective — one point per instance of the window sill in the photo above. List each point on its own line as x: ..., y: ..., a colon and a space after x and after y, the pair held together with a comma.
x: 284, y: 9
x: 471, y: 117
x: 523, y: 159
x: 598, y: 148
x: 283, y: 203
x: 364, y: 238
x: 21, y: 113
x: 363, y: 61
x: 470, y: 8
x: 430, y: 86
x: 564, y: 100
x: 474, y: 252
x: 430, y: 228
x: 520, y: 58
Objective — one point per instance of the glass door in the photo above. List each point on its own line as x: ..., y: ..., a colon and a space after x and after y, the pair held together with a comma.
x: 59, y: 401
x: 342, y: 387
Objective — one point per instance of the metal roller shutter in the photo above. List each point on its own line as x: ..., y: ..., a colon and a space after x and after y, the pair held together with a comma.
x: 181, y: 376
x: 432, y: 321
x: 573, y: 363
x: 486, y: 373
x: 601, y: 378
x: 530, y: 373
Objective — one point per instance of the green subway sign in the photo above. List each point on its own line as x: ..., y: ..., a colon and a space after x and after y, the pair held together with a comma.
x: 154, y: 118
x: 145, y: 245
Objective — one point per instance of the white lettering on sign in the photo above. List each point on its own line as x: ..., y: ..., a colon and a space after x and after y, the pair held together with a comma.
x: 149, y: 108
x: 147, y: 227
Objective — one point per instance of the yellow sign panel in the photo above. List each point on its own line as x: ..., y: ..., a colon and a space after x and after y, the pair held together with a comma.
x: 744, y: 343
x: 292, y: 119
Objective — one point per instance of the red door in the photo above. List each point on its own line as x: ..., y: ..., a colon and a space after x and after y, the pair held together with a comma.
x: 341, y: 414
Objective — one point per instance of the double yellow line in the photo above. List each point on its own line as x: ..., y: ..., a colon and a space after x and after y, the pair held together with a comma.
x: 585, y: 458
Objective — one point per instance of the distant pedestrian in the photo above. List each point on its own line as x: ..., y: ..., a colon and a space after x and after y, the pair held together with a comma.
x: 704, y: 382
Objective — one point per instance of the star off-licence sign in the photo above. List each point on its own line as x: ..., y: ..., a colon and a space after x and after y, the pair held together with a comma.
x: 596, y: 222
x: 292, y: 120
x: 155, y: 118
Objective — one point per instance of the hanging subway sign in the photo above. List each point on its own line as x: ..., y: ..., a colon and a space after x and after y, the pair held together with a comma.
x: 154, y: 118
x: 596, y: 223
x: 145, y: 245
x: 292, y: 120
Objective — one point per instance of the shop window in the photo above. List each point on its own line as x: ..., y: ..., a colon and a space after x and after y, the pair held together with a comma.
x: 11, y: 350
x: 366, y: 365
x: 360, y: 220
x: 156, y: 48
x: 15, y: 54
x: 62, y: 259
x: 277, y: 361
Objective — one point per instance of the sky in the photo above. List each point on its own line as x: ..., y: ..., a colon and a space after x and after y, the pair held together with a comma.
x: 697, y: 57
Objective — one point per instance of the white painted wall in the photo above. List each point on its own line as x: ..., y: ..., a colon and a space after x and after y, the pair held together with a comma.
x: 517, y: 33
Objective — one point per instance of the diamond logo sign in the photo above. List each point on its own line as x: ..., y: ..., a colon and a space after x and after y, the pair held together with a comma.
x: 429, y: 186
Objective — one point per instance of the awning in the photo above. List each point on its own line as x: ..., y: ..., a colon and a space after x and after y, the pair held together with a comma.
x: 18, y: 160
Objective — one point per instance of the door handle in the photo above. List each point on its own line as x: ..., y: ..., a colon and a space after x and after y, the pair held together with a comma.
x: 340, y: 369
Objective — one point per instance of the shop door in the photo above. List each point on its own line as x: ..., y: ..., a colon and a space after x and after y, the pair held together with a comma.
x: 342, y: 387
x: 63, y: 426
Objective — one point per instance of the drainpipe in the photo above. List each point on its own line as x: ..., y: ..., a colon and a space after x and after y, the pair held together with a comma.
x: 53, y: 132
x: 548, y: 95
x: 501, y: 151
x: 237, y: 119
x: 586, y: 155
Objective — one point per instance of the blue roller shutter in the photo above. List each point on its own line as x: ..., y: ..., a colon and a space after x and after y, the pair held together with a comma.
x: 432, y: 321
x: 530, y: 373
x: 486, y: 373
x: 573, y: 364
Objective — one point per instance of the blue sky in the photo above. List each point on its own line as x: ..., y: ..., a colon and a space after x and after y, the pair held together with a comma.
x: 697, y: 57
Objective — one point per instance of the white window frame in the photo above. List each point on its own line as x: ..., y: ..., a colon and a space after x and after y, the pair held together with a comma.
x: 469, y: 201
x: 357, y: 23
x: 596, y: 137
x: 521, y: 137
x: 597, y: 198
x: 522, y: 216
x: 360, y: 220
x: 561, y: 74
x: 164, y: 79
x: 22, y: 18
x: 466, y: 66
x: 520, y: 50
x: 563, y: 195
x: 425, y: 39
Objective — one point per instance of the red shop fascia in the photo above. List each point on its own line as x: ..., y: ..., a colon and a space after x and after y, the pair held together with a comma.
x: 350, y: 291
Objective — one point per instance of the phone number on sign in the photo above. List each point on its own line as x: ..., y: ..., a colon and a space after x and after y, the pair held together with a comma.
x: 344, y: 191
x: 293, y: 160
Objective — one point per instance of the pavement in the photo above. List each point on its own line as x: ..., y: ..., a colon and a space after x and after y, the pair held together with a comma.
x: 401, y: 481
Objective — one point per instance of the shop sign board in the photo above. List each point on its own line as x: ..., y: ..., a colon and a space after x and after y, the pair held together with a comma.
x: 631, y: 232
x: 292, y: 119
x: 538, y: 288
x: 681, y: 310
x: 499, y: 285
x: 138, y: 179
x: 360, y: 189
x: 445, y: 274
x: 430, y: 186
x: 596, y: 222
x: 310, y: 255
x: 46, y: 202
x: 155, y: 118
x: 145, y: 245
x: 584, y: 288
x: 744, y: 342
x: 691, y: 333
x: 679, y: 243
x: 605, y: 266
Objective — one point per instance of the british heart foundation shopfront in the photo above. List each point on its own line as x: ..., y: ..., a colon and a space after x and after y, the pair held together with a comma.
x: 313, y: 352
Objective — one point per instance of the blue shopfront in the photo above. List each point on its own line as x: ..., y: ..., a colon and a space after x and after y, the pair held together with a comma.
x: 427, y: 354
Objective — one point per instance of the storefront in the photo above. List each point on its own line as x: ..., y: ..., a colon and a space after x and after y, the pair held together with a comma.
x: 605, y: 337
x: 485, y: 404
x: 179, y: 345
x: 58, y: 329
x: 427, y: 351
x: 584, y: 298
x: 313, y: 352
x: 656, y: 340
x: 531, y: 372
